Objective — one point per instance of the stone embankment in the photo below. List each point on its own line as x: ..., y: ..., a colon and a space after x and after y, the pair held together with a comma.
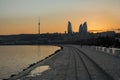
x: 112, y: 51
x: 75, y: 62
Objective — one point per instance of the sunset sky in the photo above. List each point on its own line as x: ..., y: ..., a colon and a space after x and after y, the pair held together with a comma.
x: 21, y: 16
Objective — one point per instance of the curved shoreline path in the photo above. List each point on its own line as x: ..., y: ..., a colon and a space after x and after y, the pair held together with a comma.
x: 74, y: 62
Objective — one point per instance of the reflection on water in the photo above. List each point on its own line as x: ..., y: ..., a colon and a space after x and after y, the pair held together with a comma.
x: 38, y: 71
x: 13, y: 59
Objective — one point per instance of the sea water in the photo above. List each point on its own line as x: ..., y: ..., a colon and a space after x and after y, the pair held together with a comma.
x: 13, y: 59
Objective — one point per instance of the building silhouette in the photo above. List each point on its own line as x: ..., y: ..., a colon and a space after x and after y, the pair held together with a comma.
x: 69, y: 28
x: 80, y: 37
x: 80, y: 28
x: 83, y: 29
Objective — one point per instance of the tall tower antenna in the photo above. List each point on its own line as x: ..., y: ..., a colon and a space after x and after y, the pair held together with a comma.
x: 39, y: 26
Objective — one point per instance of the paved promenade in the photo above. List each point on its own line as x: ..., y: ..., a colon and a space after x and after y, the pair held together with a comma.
x: 76, y: 63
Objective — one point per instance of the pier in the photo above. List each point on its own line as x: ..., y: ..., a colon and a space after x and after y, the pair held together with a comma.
x: 75, y: 62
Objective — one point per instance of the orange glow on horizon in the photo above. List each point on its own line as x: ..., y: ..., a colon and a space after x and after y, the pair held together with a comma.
x: 21, y: 17
x: 52, y: 25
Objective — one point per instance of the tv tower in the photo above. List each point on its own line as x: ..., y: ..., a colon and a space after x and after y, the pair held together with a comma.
x: 39, y: 26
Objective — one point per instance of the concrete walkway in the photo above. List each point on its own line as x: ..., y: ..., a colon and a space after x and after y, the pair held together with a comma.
x: 76, y: 63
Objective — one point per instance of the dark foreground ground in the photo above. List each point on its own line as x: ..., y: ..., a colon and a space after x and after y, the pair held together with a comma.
x: 75, y: 63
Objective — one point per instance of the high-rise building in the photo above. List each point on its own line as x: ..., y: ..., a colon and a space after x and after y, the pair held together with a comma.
x: 83, y: 28
x: 69, y: 27
x: 80, y: 28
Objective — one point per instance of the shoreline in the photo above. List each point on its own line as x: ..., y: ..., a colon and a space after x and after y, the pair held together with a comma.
x: 33, y: 65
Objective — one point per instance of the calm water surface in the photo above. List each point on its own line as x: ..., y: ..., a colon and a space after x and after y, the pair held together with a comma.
x: 14, y: 59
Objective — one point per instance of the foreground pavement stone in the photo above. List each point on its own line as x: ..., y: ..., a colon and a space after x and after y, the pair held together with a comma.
x: 76, y: 63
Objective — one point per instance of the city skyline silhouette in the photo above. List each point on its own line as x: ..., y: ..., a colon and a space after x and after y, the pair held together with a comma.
x: 21, y: 17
